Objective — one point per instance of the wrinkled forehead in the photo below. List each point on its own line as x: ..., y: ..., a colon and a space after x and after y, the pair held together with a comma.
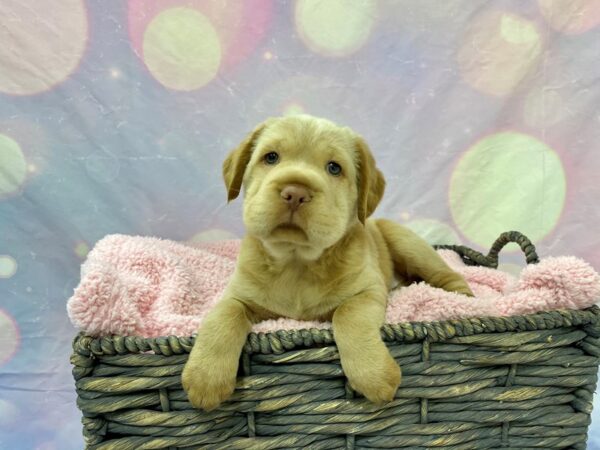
x: 308, y: 135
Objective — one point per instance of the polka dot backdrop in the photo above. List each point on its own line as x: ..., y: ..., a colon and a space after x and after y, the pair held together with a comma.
x: 182, y: 49
x: 52, y: 43
x: 115, y: 118
x: 331, y: 28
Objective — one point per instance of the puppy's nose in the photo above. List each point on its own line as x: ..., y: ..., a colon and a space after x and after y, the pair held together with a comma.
x: 295, y: 195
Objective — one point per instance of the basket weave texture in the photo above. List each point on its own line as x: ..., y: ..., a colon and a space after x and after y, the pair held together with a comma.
x: 519, y: 382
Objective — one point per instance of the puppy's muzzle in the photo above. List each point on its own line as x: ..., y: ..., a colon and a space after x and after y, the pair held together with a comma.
x: 295, y: 195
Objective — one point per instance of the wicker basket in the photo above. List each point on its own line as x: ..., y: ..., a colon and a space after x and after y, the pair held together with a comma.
x: 480, y: 383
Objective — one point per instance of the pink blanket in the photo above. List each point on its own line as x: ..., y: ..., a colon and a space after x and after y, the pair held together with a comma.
x: 151, y: 287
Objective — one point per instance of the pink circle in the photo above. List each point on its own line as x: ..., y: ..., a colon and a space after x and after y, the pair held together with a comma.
x: 572, y: 16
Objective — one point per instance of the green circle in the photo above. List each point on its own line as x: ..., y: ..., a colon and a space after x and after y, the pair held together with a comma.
x: 507, y: 181
x: 8, y: 266
x: 335, y: 27
x: 182, y: 49
x: 13, y: 167
x: 82, y: 249
x: 433, y: 231
x: 516, y: 30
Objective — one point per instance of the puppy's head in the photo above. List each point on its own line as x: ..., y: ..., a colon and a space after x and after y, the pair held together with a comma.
x: 306, y: 181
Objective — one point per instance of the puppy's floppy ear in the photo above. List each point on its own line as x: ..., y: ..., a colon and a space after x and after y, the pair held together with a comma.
x: 371, y: 183
x: 235, y: 164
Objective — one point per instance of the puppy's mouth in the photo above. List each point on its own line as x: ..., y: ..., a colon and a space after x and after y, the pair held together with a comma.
x: 289, y: 226
x: 289, y: 231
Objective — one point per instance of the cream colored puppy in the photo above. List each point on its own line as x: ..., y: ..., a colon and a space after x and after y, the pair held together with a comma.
x: 311, y: 254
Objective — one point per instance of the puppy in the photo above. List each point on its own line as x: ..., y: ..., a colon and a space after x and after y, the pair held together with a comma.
x: 310, y: 253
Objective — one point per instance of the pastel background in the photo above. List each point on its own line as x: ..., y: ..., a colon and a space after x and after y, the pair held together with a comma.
x: 115, y: 118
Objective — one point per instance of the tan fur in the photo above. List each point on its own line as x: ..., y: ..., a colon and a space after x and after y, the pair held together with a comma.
x: 333, y: 264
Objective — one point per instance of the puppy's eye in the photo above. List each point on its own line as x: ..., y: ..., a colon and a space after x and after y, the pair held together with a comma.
x: 271, y: 158
x: 334, y: 168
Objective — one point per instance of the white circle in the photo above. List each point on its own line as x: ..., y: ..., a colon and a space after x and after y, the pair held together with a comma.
x: 41, y: 43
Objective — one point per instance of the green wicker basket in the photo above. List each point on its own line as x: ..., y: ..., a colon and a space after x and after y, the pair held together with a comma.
x: 481, y: 383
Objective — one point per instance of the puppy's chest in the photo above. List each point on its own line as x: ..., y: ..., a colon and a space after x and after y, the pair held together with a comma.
x: 299, y: 295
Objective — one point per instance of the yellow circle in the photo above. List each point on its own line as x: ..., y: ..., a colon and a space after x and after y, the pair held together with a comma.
x: 433, y: 231
x: 9, y: 337
x: 335, y: 27
x: 13, y: 166
x: 40, y: 48
x: 498, y: 51
x: 182, y: 49
x: 8, y: 266
x: 507, y: 181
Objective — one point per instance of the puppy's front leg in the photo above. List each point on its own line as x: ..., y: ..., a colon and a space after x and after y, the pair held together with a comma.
x: 366, y: 361
x: 209, y: 376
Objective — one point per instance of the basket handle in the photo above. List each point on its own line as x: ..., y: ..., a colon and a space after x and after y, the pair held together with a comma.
x: 473, y: 257
x: 514, y: 236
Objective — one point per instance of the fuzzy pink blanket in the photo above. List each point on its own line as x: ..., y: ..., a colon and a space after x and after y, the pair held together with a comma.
x: 151, y: 287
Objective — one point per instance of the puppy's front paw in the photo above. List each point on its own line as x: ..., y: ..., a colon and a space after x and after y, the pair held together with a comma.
x: 376, y: 377
x: 208, y: 382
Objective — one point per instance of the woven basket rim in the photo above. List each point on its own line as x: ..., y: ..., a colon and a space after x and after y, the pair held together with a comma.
x: 294, y: 339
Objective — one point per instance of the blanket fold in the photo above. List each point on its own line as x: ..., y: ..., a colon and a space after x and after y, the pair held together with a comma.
x: 149, y: 287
